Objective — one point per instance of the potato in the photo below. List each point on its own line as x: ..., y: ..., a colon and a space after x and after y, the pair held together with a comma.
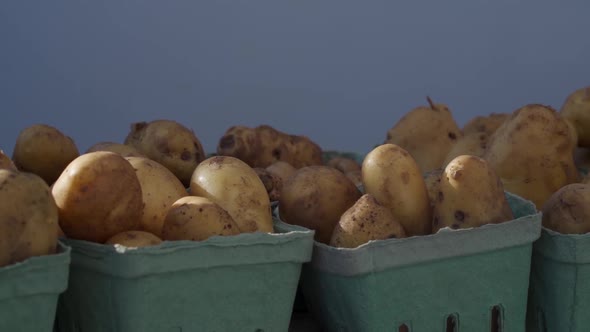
x: 486, y: 125
x: 471, y: 144
x: 28, y: 217
x: 122, y: 149
x: 282, y: 169
x: 582, y: 158
x: 43, y: 150
x: 196, y: 219
x: 170, y: 144
x: 356, y: 177
x: 567, y: 211
x: 391, y: 175
x: 264, y: 145
x: 160, y: 188
x: 427, y: 133
x: 98, y: 195
x: 432, y: 181
x: 135, y: 239
x: 6, y: 162
x: 233, y: 185
x: 344, y: 165
x: 315, y: 197
x: 272, y: 183
x: 470, y: 195
x: 365, y: 221
x: 576, y: 109
x: 532, y: 152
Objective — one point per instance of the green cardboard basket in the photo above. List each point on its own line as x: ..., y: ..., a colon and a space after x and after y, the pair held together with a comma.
x: 419, y: 284
x: 245, y: 282
x: 29, y: 292
x: 560, y: 283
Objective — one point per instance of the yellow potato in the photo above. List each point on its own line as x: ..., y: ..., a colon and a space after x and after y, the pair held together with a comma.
x: 315, y: 197
x: 471, y: 144
x: 391, y: 175
x: 365, y: 221
x: 135, y: 239
x: 28, y: 217
x: 170, y: 144
x: 576, y: 109
x: 486, y: 125
x: 567, y: 211
x: 233, y: 185
x: 470, y: 195
x: 43, y: 150
x: 98, y: 195
x: 6, y: 162
x: 122, y: 149
x: 160, y: 188
x: 196, y: 219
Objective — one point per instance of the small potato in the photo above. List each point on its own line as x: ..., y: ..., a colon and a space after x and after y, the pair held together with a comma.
x: 170, y: 144
x: 282, y: 169
x: 315, y: 197
x: 235, y: 187
x: 98, y: 195
x: 366, y: 220
x: 196, y: 219
x: 28, y: 217
x: 486, y: 125
x: 344, y: 165
x: 6, y: 162
x: 43, y: 150
x: 160, y: 188
x: 122, y: 149
x: 567, y: 211
x: 135, y: 239
x: 470, y: 195
x: 391, y: 175
x: 272, y: 183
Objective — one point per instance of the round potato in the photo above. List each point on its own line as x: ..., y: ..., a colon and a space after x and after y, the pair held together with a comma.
x: 28, y: 217
x: 576, y: 109
x: 196, y: 219
x: 567, y: 211
x: 282, y: 169
x: 122, y: 149
x: 170, y: 144
x: 6, y: 162
x: 160, y: 188
x: 392, y: 176
x: 233, y: 185
x: 272, y: 183
x: 315, y: 197
x: 135, y: 239
x: 43, y: 150
x: 98, y: 195
x: 486, y: 125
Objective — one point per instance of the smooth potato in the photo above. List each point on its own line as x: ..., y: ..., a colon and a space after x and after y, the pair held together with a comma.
x: 135, y: 239
x: 567, y: 211
x: 98, y: 195
x: 235, y: 186
x: 122, y: 149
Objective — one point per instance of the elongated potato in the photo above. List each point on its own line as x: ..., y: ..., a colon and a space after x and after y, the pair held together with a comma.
x: 235, y: 186
x: 393, y: 177
x: 135, y: 239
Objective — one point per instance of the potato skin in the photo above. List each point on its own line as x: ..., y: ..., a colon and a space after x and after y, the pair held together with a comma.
x: 43, y: 150
x: 576, y: 109
x: 282, y: 169
x: 195, y: 218
x: 272, y: 183
x: 170, y: 144
x: 28, y: 217
x: 567, y: 211
x: 160, y: 188
x: 233, y: 185
x: 470, y: 195
x: 366, y: 220
x: 344, y: 165
x: 122, y: 149
x: 470, y: 144
x: 432, y: 181
x: 486, y: 125
x: 315, y: 197
x: 135, y: 239
x: 392, y: 176
x: 98, y: 195
x: 6, y: 162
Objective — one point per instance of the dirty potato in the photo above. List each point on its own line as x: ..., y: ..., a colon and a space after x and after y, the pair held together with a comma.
x: 135, y: 239
x: 567, y: 211
x: 272, y: 183
x: 432, y: 181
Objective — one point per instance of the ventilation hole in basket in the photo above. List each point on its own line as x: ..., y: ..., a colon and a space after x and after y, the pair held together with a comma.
x: 404, y: 328
x: 497, y: 319
x: 452, y: 323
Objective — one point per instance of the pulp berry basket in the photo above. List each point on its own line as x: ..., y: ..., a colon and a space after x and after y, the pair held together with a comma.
x: 29, y: 291
x: 560, y: 287
x: 456, y: 280
x: 245, y: 282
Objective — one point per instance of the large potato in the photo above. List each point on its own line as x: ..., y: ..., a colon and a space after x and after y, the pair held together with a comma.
x: 43, y: 150
x: 235, y: 186
x: 470, y: 195
x: 365, y: 221
x: 315, y: 197
x: 428, y: 133
x: 98, y: 196
x: 170, y: 144
x: 391, y: 175
x: 532, y: 152
x: 123, y: 149
x: 567, y: 211
x: 160, y: 188
x: 196, y: 219
x: 28, y: 217
x: 576, y: 109
x: 135, y: 239
x: 6, y: 162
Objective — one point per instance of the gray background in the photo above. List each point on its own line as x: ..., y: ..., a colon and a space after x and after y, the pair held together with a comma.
x: 340, y: 71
